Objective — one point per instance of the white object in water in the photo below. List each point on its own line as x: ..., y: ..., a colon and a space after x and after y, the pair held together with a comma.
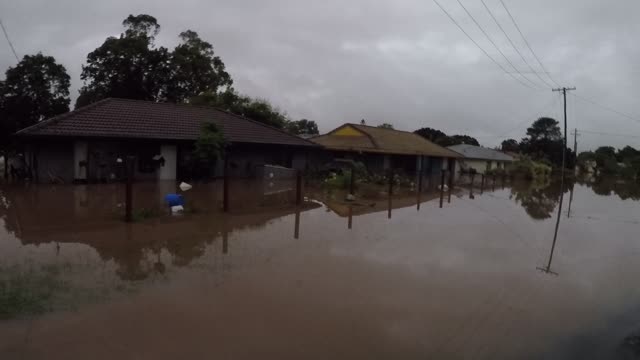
x: 445, y: 187
x: 271, y: 175
x: 351, y: 197
x: 184, y: 186
x: 119, y: 160
x: 177, y: 209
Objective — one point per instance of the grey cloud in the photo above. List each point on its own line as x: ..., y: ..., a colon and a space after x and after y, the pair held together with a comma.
x: 401, y: 62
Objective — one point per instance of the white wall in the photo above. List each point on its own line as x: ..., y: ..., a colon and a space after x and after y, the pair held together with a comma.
x: 80, y: 153
x: 170, y: 155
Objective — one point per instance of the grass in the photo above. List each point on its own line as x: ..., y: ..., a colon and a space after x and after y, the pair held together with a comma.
x: 28, y: 292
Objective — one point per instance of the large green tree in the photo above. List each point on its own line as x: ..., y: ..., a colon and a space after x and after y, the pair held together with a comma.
x: 35, y: 89
x: 510, y: 145
x: 259, y: 110
x: 195, y: 69
x: 302, y: 127
x: 544, y: 142
x: 131, y: 66
x: 443, y: 139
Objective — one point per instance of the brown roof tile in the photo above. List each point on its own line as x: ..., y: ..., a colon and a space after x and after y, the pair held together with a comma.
x: 121, y: 118
x: 381, y: 140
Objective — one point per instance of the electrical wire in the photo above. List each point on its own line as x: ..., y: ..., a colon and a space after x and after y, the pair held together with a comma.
x: 6, y: 35
x: 527, y: 43
x: 480, y: 47
x: 593, y: 102
x: 514, y: 45
x: 591, y: 132
x: 494, y: 44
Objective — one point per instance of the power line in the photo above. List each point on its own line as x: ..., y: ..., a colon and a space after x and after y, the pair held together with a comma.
x: 533, y: 71
x: 607, y: 134
x: 593, y: 102
x: 480, y: 47
x: 527, y: 43
x: 9, y: 41
x: 494, y: 44
x: 527, y: 119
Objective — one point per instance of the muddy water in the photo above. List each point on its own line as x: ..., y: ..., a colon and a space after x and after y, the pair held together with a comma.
x: 477, y: 279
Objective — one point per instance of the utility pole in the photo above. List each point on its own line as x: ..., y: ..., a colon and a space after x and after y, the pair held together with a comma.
x: 564, y: 149
x: 547, y: 269
x: 575, y: 142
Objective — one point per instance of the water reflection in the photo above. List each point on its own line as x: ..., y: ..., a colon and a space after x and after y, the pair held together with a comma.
x: 538, y: 199
x: 89, y: 216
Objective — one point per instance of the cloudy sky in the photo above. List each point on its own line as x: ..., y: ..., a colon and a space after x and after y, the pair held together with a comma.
x: 398, y: 61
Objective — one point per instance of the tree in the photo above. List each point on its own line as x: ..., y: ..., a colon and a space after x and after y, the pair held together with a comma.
x: 385, y: 126
x: 302, y: 127
x: 35, y: 89
x: 545, y: 142
x: 627, y: 152
x: 195, y: 69
x: 255, y: 109
x: 430, y: 134
x: 464, y: 139
x: 127, y: 67
x: 510, y: 145
x: 209, y: 147
x: 132, y: 67
x: 545, y: 129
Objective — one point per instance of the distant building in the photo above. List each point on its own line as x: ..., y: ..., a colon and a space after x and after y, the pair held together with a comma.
x: 90, y: 143
x: 382, y: 149
x: 480, y: 159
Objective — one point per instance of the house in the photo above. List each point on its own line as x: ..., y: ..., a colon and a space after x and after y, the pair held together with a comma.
x: 90, y: 143
x: 480, y: 159
x: 382, y: 149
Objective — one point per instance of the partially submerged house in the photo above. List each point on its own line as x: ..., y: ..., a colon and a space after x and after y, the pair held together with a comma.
x: 383, y: 149
x: 479, y: 159
x: 90, y: 143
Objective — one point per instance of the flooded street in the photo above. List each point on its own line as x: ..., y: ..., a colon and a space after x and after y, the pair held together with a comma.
x: 384, y: 278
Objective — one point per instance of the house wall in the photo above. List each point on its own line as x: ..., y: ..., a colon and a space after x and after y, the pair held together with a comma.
x: 80, y: 157
x: 53, y: 162
x: 168, y: 170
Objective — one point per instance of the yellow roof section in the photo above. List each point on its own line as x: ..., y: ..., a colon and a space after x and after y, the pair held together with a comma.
x: 363, y: 138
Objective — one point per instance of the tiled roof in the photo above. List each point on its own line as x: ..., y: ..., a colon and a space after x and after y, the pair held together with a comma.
x: 120, y: 118
x: 382, y: 140
x: 479, y: 152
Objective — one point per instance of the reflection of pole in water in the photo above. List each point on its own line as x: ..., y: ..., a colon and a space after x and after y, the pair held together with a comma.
x: 547, y: 269
x: 225, y: 241
x: 473, y: 175
x: 389, y: 207
x: 570, y: 201
x: 350, y: 221
x: 296, y: 229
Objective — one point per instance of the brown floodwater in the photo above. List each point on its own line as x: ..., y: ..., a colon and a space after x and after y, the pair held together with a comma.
x: 387, y: 278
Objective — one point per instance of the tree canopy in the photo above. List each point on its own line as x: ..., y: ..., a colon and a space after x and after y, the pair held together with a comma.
x: 302, y: 127
x: 35, y: 89
x: 385, y: 126
x: 510, y: 145
x: 544, y: 142
x: 443, y: 139
x: 132, y: 67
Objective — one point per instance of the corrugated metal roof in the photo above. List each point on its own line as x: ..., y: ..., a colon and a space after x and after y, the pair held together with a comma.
x: 382, y: 140
x: 121, y: 118
x: 479, y: 152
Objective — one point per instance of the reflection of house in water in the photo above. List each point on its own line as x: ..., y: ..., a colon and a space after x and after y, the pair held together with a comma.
x: 89, y: 215
x: 373, y: 205
x: 134, y: 247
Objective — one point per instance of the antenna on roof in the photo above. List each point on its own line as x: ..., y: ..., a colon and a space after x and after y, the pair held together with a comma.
x: 362, y: 122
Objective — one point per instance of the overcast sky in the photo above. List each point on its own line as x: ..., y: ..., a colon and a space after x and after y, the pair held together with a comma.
x: 397, y: 61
